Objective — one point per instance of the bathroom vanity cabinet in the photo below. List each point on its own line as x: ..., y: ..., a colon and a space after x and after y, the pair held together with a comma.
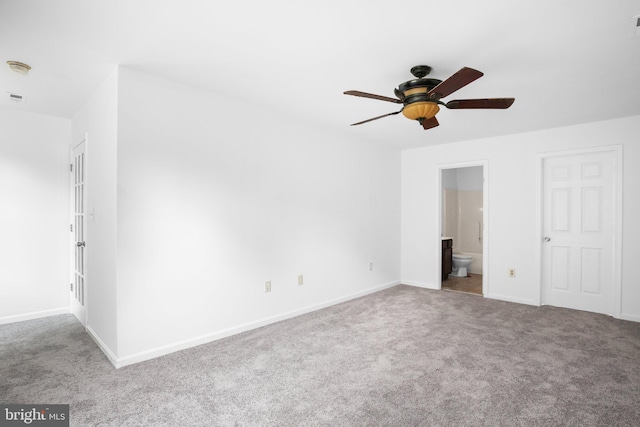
x: 447, y: 257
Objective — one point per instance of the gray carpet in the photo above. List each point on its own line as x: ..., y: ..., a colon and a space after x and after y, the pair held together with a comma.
x: 401, y: 357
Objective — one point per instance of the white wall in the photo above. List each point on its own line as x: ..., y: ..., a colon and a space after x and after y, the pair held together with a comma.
x: 34, y: 215
x: 512, y: 233
x: 215, y: 197
x: 98, y: 120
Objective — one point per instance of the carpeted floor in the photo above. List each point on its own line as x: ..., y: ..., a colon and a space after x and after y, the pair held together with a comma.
x: 405, y: 356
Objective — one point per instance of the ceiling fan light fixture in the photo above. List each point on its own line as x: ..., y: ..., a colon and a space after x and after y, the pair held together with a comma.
x: 19, y: 67
x: 421, y: 110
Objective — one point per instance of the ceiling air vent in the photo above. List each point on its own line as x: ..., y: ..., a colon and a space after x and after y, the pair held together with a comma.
x: 15, y: 97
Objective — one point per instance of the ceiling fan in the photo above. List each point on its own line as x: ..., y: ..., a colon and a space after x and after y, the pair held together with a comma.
x: 420, y: 97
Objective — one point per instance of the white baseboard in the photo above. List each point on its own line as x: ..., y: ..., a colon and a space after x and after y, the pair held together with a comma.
x: 34, y: 315
x: 512, y: 299
x: 631, y: 317
x: 420, y: 284
x: 204, y: 339
x: 105, y: 348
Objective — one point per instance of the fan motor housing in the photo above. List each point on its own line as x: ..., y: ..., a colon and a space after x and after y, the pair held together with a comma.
x: 416, y: 83
x: 416, y: 90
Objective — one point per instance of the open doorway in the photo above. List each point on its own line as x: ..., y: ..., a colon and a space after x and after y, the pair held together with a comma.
x: 462, y: 228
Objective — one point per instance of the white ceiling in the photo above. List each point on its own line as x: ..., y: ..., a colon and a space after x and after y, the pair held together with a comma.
x: 565, y: 61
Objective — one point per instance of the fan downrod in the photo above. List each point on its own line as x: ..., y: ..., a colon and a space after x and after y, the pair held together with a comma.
x: 420, y: 71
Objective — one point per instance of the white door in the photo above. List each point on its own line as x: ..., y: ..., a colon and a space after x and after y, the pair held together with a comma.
x: 579, y: 231
x: 78, y: 282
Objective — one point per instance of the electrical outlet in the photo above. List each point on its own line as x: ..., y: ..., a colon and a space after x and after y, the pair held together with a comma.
x: 370, y: 266
x: 267, y: 286
x: 300, y: 280
x: 512, y: 272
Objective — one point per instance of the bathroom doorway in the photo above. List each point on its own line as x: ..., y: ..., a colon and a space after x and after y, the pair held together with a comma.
x: 462, y: 228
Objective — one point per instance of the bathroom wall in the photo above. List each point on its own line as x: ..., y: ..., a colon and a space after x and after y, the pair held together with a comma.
x: 462, y: 211
x: 450, y: 204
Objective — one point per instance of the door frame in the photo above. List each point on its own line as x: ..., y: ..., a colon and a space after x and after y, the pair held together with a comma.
x: 72, y: 242
x: 618, y: 215
x: 485, y: 220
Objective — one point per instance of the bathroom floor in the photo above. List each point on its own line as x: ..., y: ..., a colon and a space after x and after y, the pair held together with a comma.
x: 471, y: 284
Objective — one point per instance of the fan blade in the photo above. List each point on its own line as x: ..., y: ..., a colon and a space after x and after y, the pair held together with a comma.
x: 459, y: 80
x: 372, y: 96
x: 376, y: 118
x: 430, y: 123
x: 500, y: 103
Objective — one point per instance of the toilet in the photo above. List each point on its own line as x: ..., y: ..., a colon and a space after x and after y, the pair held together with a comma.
x: 460, y: 264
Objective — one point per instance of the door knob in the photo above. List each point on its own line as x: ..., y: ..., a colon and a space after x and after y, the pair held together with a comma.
x: 547, y: 239
x: 80, y: 244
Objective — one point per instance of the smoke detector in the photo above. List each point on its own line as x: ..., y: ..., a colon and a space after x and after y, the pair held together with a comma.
x: 19, y: 67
